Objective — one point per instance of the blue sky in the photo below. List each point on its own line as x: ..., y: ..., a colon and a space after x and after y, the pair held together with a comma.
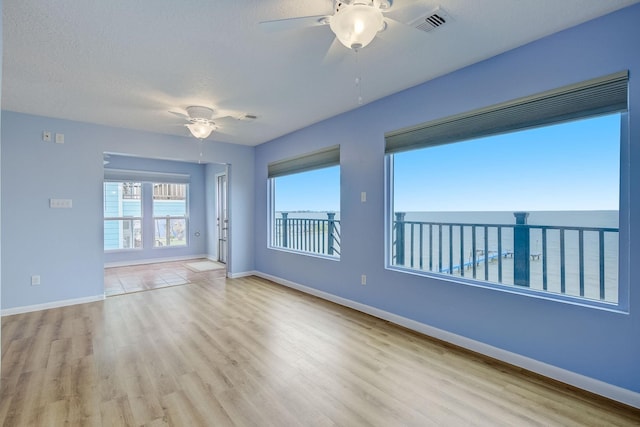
x: 570, y: 166
x: 317, y: 190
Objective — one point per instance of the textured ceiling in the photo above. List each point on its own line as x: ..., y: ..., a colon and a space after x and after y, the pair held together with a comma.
x: 128, y: 63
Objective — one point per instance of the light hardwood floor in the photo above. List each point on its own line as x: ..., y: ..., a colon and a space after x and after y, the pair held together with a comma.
x: 219, y: 352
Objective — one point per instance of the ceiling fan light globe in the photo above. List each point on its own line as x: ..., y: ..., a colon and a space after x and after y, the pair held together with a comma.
x: 356, y: 25
x: 200, y: 130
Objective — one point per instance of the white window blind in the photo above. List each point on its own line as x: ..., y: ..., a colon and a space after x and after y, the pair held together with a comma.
x: 123, y: 175
x: 318, y: 159
x: 602, y: 95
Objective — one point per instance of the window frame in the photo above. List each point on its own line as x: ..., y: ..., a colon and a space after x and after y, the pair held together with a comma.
x: 146, y: 179
x: 320, y: 159
x: 622, y: 304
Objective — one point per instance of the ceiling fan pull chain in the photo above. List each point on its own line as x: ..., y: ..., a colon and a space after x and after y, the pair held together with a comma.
x: 358, y: 78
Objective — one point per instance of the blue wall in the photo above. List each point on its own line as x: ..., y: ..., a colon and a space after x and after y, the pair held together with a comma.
x: 595, y: 343
x: 65, y: 246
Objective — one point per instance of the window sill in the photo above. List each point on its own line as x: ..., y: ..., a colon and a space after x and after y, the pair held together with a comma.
x: 517, y: 290
x: 309, y: 254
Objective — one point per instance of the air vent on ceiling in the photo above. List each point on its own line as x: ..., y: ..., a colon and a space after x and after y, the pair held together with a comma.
x: 431, y: 21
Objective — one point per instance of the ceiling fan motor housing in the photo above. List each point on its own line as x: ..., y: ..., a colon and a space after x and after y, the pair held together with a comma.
x: 378, y: 4
x: 199, y: 114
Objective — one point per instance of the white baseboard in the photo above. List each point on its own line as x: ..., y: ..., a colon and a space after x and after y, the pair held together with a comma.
x: 48, y: 305
x: 243, y: 274
x: 592, y: 385
x: 152, y: 261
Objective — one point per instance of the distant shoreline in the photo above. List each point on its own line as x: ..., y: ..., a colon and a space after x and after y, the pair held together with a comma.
x: 577, y: 218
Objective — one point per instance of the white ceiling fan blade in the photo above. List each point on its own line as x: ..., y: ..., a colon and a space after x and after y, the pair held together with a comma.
x: 336, y: 52
x: 294, y: 23
x: 408, y: 11
x: 180, y: 114
x: 399, y: 34
x: 223, y: 114
x: 235, y: 115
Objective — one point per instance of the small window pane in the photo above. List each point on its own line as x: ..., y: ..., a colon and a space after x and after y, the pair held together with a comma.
x: 122, y: 234
x: 170, y: 232
x: 170, y: 215
x: 122, y: 215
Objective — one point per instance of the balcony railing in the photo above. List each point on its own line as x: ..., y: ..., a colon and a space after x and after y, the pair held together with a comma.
x: 169, y: 191
x: 319, y: 236
x: 577, y: 261
x: 133, y: 191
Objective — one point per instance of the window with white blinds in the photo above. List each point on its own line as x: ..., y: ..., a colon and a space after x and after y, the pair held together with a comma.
x: 524, y: 194
x: 305, y: 203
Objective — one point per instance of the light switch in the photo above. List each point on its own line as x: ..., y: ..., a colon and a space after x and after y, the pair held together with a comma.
x: 363, y: 196
x: 60, y: 203
x: 46, y: 136
x: 59, y: 138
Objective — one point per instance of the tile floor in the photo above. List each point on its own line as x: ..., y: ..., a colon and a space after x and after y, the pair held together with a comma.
x: 123, y: 280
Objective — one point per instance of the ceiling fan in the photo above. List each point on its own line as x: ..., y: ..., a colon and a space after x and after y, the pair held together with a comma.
x: 201, y: 120
x: 354, y: 22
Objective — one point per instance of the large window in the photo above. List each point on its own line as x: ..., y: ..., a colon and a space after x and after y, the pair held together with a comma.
x: 510, y: 197
x: 122, y: 215
x: 141, y: 215
x: 170, y: 214
x: 305, y: 203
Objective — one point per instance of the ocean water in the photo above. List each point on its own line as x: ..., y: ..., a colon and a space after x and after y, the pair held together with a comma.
x: 601, y: 218
x: 308, y: 214
x: 557, y: 267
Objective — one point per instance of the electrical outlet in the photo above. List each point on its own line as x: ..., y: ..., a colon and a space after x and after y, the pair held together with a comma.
x: 363, y: 279
x: 35, y: 280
